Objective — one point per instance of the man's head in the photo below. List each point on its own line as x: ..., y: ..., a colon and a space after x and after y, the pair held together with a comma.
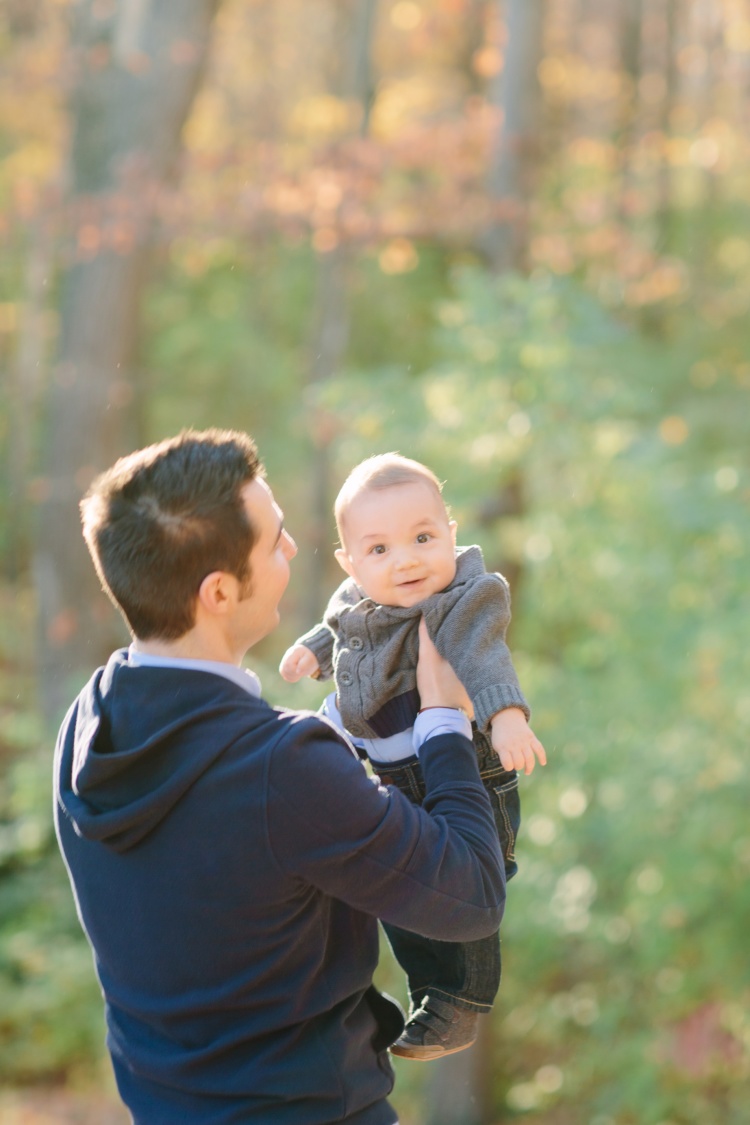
x: 164, y: 518
x: 397, y: 541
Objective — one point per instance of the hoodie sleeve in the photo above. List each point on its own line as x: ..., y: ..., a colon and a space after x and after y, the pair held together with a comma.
x: 436, y: 870
x: 472, y: 638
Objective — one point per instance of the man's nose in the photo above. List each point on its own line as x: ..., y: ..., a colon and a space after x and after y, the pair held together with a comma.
x: 290, y: 545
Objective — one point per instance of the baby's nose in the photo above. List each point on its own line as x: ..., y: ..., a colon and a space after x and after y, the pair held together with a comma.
x: 405, y: 558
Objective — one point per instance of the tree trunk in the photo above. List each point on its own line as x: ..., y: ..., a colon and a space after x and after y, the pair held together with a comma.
x: 25, y: 385
x: 665, y: 207
x: 631, y: 19
x: 516, y: 94
x: 329, y: 341
x: 460, y: 1088
x: 708, y: 31
x: 330, y: 330
x: 138, y: 65
x: 453, y: 1095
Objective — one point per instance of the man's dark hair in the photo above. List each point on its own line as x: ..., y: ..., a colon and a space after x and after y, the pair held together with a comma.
x: 163, y: 518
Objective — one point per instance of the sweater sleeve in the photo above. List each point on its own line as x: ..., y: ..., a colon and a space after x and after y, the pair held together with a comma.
x: 321, y: 639
x: 435, y: 870
x: 472, y: 638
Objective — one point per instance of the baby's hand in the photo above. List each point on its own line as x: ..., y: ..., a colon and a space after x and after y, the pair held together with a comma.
x: 297, y: 662
x: 514, y: 741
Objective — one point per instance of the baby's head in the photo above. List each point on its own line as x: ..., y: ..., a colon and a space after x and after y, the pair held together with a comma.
x: 397, y: 541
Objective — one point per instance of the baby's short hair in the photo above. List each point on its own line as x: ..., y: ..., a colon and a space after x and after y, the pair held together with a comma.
x: 385, y: 470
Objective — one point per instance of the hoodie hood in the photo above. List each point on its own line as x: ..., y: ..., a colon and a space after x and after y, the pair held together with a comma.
x: 117, y: 790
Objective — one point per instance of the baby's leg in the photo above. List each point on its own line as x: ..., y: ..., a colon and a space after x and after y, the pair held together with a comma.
x: 465, y: 974
x: 450, y: 983
x: 502, y: 787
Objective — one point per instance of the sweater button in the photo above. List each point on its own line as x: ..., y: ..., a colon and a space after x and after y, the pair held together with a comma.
x: 356, y: 643
x: 345, y: 678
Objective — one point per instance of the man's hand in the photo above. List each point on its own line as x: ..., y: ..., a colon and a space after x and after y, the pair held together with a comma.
x: 437, y: 683
x: 514, y: 741
x: 297, y: 662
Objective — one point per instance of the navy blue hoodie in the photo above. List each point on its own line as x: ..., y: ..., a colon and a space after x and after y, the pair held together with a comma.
x: 229, y: 861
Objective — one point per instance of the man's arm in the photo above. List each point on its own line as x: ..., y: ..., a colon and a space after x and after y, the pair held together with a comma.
x: 435, y: 870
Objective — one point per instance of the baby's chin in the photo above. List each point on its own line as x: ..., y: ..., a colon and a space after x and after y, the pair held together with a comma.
x: 407, y: 598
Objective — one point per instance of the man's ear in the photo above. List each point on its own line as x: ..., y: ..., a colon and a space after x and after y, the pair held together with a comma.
x: 454, y: 528
x: 344, y: 561
x: 217, y: 592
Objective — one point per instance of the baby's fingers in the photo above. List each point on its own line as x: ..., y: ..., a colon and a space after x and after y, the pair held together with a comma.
x: 539, y: 750
x: 290, y: 667
x: 513, y: 758
x: 522, y: 757
x: 288, y: 671
x: 529, y: 761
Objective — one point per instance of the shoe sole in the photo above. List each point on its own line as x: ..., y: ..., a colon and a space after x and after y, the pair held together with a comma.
x: 427, y: 1054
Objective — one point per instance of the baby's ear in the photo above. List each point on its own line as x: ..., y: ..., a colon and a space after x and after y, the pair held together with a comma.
x: 344, y: 561
x: 454, y: 528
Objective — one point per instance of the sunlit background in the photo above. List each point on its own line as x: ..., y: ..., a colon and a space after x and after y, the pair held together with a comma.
x: 510, y: 239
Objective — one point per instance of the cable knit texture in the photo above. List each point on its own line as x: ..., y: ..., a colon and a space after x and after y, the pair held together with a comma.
x: 371, y: 650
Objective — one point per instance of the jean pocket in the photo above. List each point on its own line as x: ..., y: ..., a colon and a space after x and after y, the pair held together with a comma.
x: 506, y: 805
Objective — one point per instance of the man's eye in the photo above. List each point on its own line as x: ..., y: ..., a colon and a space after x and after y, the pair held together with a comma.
x: 423, y: 537
x: 378, y: 549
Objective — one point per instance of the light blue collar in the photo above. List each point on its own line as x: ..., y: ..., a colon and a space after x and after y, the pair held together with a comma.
x: 243, y: 677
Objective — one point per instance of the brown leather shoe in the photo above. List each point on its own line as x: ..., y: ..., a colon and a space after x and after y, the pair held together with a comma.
x: 434, y: 1030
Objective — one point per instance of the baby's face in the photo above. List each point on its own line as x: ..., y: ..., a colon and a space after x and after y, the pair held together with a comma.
x: 399, y: 544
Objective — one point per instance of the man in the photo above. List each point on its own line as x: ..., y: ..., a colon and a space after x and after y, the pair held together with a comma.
x: 229, y: 859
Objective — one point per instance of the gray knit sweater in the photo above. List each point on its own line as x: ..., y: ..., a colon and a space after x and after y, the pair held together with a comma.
x: 371, y: 650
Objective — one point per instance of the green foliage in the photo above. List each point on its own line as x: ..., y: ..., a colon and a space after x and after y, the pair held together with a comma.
x: 51, y: 1021
x: 605, y: 472
x: 626, y: 985
x: 224, y: 336
x: 50, y: 1008
x: 599, y: 457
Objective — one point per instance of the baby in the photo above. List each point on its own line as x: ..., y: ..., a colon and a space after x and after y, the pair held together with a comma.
x: 398, y: 547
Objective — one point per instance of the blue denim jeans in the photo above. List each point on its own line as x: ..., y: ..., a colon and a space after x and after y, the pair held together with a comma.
x: 466, y: 974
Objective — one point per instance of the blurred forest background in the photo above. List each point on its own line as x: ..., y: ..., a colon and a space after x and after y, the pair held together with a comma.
x: 510, y: 238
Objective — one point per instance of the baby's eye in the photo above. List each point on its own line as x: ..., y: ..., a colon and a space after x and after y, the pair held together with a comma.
x: 423, y: 537
x: 378, y: 549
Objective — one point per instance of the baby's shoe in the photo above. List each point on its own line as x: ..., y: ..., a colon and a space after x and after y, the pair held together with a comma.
x: 436, y: 1029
